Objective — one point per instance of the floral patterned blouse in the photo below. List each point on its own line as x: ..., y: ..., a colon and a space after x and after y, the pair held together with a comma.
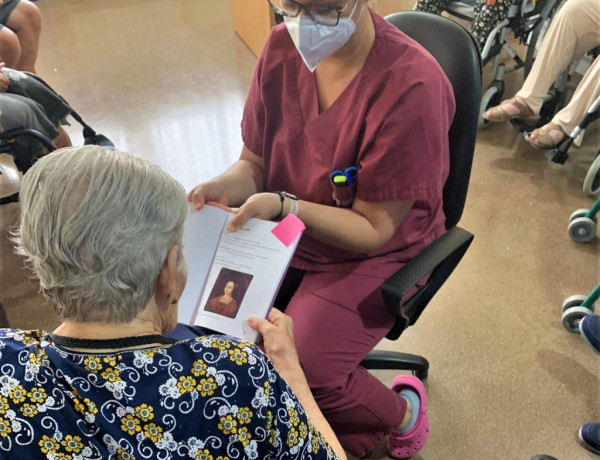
x: 210, y: 398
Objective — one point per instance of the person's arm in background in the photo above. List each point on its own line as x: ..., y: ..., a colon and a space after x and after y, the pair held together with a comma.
x: 232, y: 188
x: 278, y: 345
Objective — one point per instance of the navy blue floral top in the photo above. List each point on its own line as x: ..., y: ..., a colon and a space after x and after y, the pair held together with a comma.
x: 210, y: 398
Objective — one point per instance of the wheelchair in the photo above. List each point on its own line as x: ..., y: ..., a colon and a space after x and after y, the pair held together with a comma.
x: 12, y: 141
x: 554, y: 101
x: 526, y: 20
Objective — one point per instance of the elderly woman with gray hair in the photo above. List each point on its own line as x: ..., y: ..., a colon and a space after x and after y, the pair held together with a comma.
x: 102, y: 230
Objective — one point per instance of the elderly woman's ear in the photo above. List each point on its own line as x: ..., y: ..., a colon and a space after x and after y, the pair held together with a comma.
x: 168, y: 288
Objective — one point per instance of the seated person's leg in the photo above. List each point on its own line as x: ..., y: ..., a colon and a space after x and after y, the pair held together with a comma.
x: 338, y: 319
x: 431, y: 6
x: 10, y: 49
x: 574, y: 30
x: 487, y: 15
x: 54, y: 107
x: 20, y: 112
x: 26, y: 21
x: 564, y: 121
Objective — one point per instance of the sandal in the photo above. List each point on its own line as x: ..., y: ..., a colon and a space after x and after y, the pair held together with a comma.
x: 546, y: 137
x: 499, y: 112
x: 408, y: 444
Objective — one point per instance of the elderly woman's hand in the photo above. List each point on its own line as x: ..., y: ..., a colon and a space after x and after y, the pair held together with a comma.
x: 266, y: 206
x: 278, y: 342
x: 4, y: 80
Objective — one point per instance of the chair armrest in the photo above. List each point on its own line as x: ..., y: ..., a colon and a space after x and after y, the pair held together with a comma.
x: 440, y: 259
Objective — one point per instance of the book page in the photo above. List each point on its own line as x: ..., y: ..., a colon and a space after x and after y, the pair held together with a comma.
x: 246, y: 273
x: 201, y: 233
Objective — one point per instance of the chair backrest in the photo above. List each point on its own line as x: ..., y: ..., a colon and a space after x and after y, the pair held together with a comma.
x: 457, y: 53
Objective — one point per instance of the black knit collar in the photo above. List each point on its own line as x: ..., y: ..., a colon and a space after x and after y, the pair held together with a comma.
x: 122, y: 342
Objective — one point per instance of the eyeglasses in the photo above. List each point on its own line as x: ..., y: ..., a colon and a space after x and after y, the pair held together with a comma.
x: 326, y: 15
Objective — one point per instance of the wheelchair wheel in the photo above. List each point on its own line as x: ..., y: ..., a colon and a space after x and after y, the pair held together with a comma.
x: 491, y: 98
x: 591, y: 183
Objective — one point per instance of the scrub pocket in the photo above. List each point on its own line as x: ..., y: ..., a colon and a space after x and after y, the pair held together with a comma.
x: 343, y: 196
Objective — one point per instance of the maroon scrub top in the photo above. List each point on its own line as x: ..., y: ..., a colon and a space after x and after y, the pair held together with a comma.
x: 391, y: 123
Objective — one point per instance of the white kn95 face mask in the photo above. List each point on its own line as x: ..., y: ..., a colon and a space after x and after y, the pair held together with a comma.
x: 316, y: 42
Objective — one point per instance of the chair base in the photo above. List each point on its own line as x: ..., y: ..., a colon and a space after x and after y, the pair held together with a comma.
x: 380, y: 359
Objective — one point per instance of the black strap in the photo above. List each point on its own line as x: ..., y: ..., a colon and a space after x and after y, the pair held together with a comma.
x: 122, y: 342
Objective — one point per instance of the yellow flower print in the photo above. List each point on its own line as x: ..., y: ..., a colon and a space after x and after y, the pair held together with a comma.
x: 37, y: 356
x: 150, y: 352
x: 110, y: 361
x: 30, y: 338
x: 28, y: 410
x: 244, y: 415
x: 90, y: 406
x: 267, y: 388
x: 269, y: 420
x: 238, y: 356
x: 145, y: 412
x: 72, y: 443
x: 153, y: 432
x: 227, y: 425
x: 17, y: 394
x: 315, y: 444
x: 244, y: 436
x: 92, y: 364
x: 62, y: 456
x: 273, y: 437
x: 37, y: 395
x: 48, y: 445
x: 303, y: 430
x: 79, y: 406
x: 292, y: 437
x: 199, y: 368
x: 186, y: 384
x: 207, y: 386
x: 221, y: 344
x: 110, y: 374
x: 122, y: 454
x: 130, y: 424
x: 3, y: 405
x: 220, y: 457
x: 204, y: 455
x: 5, y: 428
x: 293, y: 413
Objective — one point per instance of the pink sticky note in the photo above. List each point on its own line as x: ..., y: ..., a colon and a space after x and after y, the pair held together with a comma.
x: 288, y: 229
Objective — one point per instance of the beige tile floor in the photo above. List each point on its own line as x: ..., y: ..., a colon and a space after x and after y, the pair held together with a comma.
x: 167, y: 81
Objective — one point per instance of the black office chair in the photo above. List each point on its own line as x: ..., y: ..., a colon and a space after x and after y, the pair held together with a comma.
x: 457, y: 53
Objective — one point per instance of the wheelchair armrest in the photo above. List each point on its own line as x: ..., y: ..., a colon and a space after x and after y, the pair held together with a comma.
x: 440, y: 259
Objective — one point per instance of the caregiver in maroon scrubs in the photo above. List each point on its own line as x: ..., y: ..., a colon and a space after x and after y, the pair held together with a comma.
x: 346, y: 126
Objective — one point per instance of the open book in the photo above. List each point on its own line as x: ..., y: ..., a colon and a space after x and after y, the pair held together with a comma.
x: 232, y: 276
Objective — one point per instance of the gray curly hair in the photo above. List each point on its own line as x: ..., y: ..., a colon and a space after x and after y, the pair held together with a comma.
x: 96, y: 226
